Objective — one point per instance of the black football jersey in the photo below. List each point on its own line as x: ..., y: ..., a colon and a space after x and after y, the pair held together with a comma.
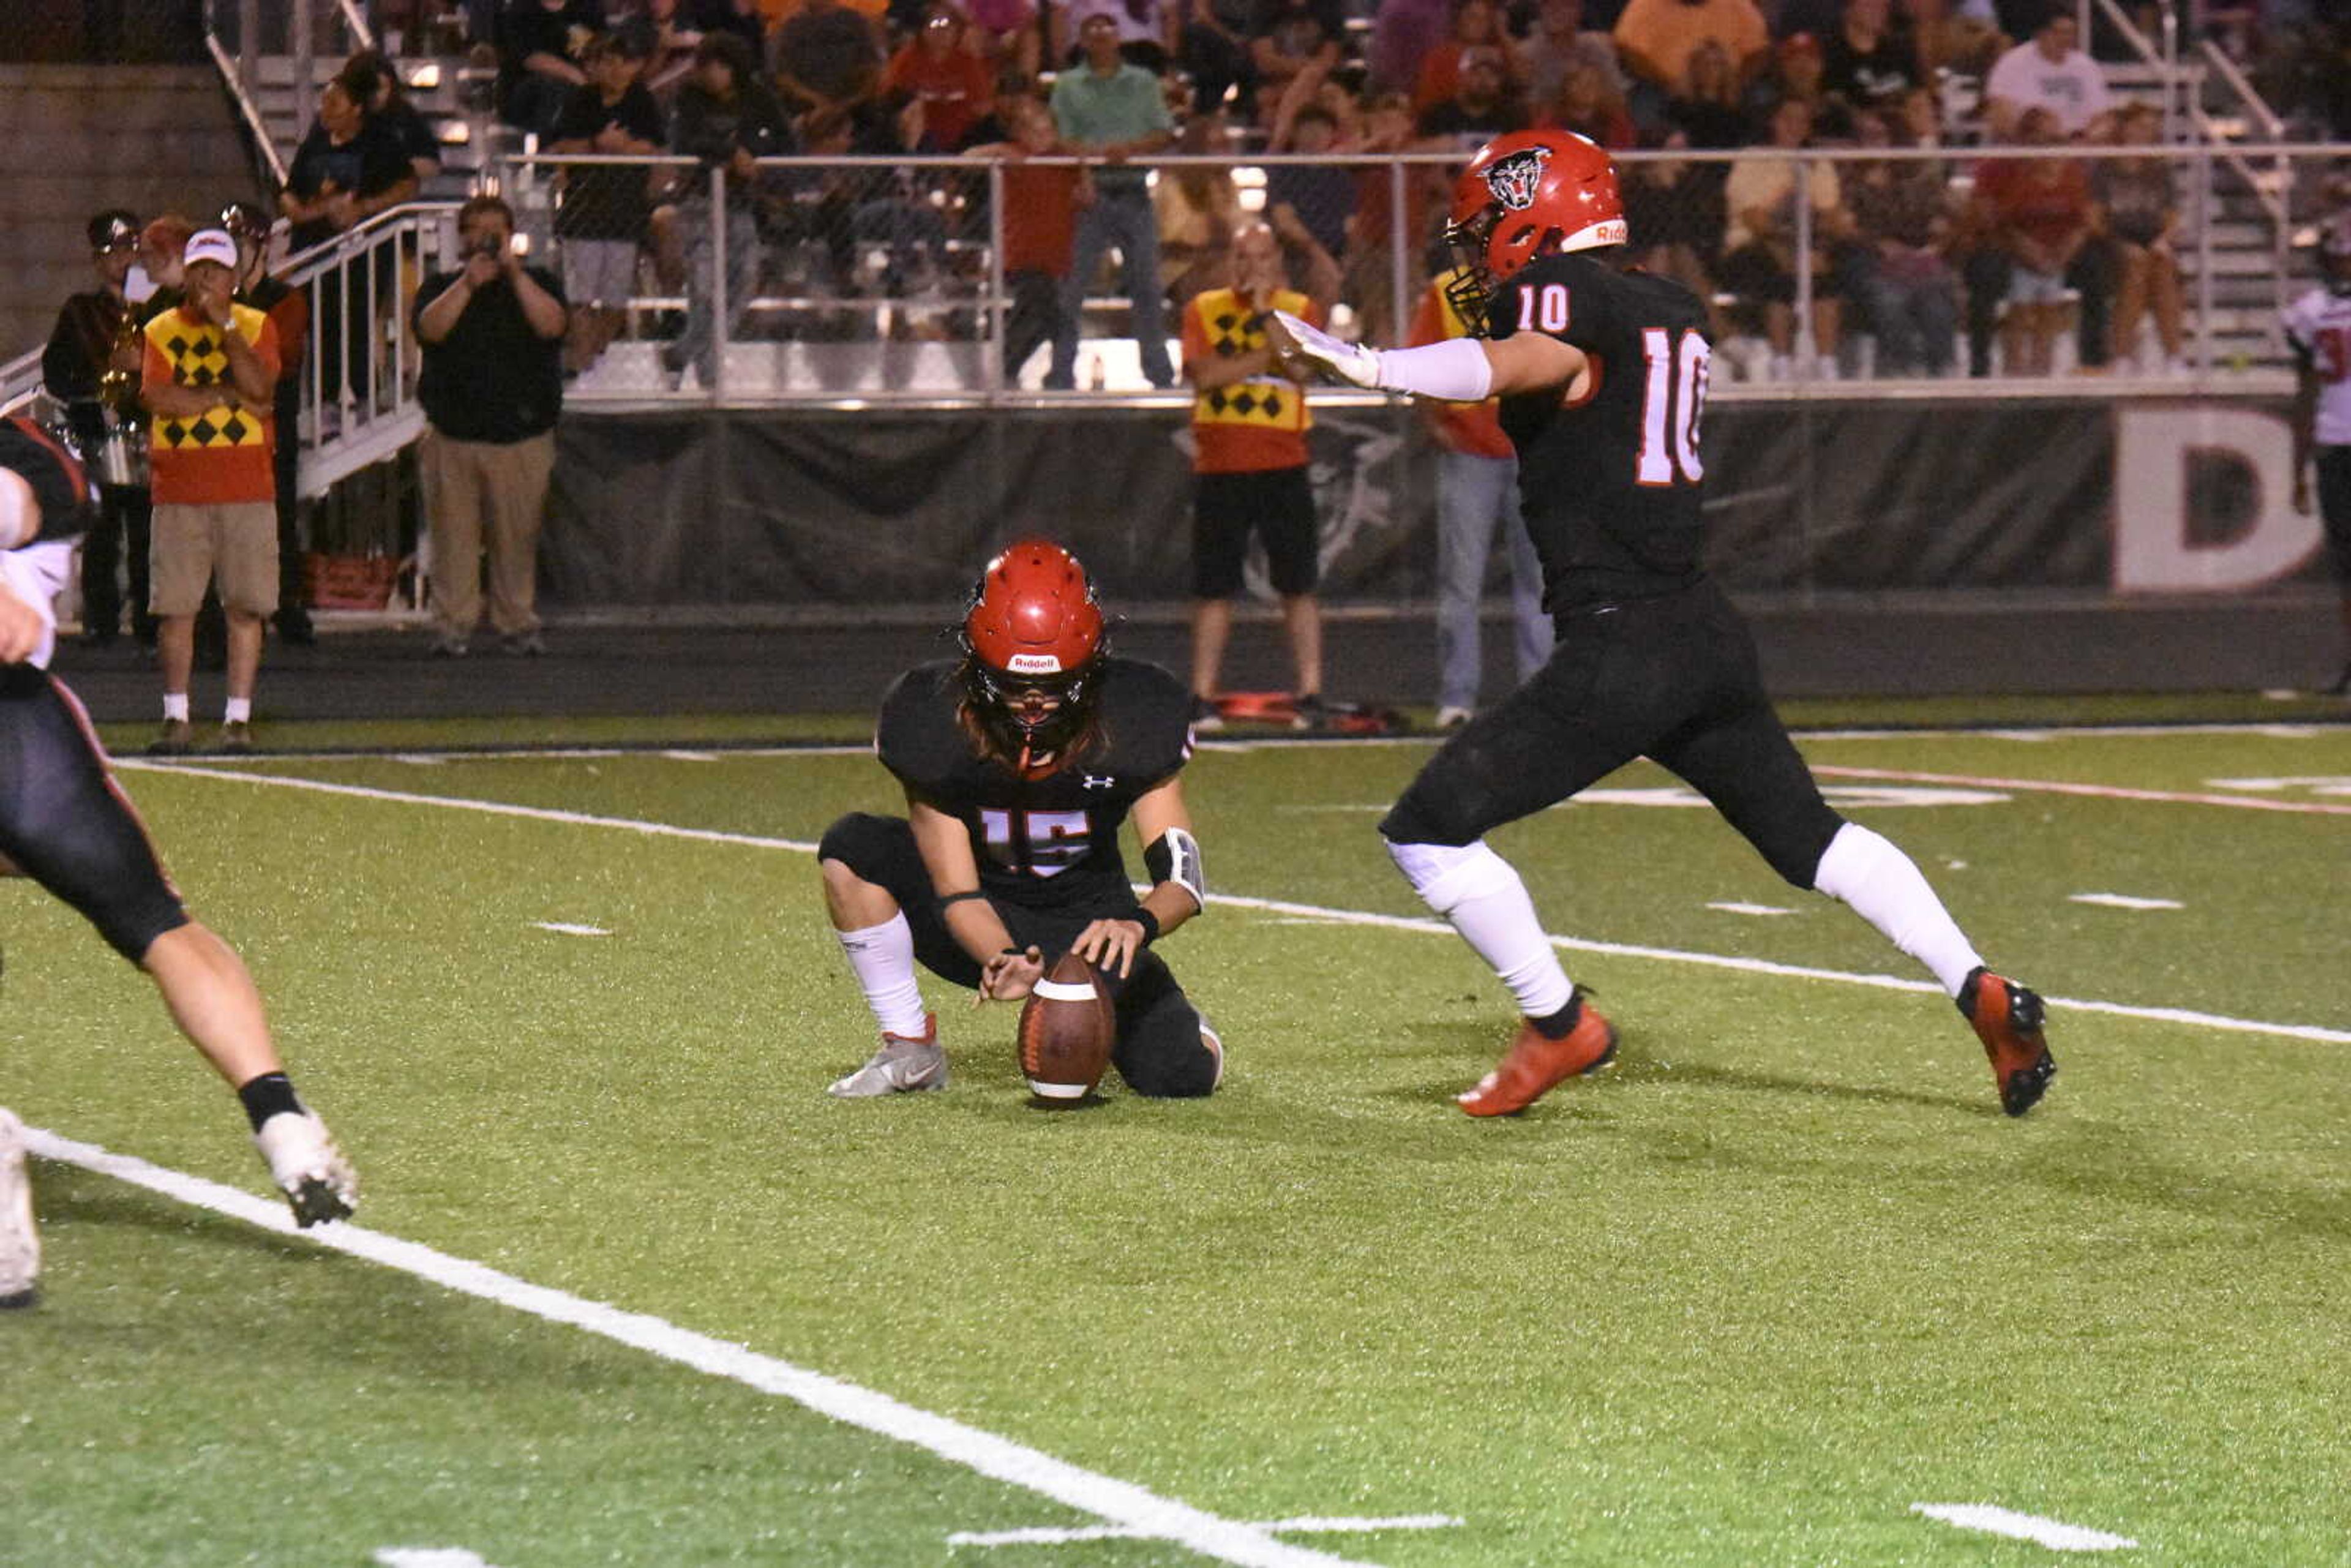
x: 1610, y: 486
x: 1048, y: 842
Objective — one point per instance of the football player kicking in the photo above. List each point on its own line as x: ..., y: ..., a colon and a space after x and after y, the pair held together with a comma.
x: 1602, y: 373
x: 65, y: 823
x: 1019, y: 761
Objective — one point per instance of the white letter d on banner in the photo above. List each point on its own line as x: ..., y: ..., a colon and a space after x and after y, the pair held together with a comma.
x: 2153, y: 551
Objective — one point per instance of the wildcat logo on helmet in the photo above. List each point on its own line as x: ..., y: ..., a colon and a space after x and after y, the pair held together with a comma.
x: 1512, y: 180
x: 1034, y: 665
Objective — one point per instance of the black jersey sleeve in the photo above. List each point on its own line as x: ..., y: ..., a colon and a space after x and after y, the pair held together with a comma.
x: 1148, y: 716
x: 916, y: 737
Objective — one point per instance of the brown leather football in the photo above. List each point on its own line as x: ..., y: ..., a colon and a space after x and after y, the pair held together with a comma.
x: 1067, y: 1028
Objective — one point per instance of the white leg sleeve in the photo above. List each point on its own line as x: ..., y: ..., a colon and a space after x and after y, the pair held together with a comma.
x: 1868, y: 874
x: 1481, y: 896
x: 883, y: 959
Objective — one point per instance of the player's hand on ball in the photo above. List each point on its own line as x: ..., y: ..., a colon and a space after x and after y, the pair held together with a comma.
x: 1106, y: 941
x: 1308, y: 349
x: 1011, y: 975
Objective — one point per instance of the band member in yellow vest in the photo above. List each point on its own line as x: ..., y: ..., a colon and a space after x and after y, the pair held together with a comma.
x: 209, y: 381
x: 1249, y: 450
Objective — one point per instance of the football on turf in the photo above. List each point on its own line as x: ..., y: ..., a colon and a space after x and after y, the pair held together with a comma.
x: 1066, y: 1030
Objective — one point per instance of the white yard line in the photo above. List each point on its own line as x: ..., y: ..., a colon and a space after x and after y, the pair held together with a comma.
x: 430, y: 1557
x: 2095, y: 791
x: 1269, y: 905
x: 2041, y: 1531
x: 2124, y: 901
x: 1122, y: 1503
x: 565, y: 928
x: 1306, y: 1525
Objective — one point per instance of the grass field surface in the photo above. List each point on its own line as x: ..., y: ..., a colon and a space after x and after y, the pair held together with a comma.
x: 634, y: 1290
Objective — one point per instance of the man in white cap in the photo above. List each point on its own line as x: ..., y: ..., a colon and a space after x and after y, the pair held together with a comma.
x: 210, y: 375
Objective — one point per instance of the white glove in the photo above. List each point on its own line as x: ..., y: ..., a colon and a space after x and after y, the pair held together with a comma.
x: 1298, y: 343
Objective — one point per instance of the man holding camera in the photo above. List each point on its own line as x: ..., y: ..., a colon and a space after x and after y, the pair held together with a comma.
x: 209, y: 381
x: 492, y: 386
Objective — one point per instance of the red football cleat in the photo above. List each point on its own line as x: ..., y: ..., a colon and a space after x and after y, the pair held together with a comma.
x: 1533, y: 1065
x: 2007, y: 1017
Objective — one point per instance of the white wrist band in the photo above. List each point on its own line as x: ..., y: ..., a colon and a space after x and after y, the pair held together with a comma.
x: 1455, y: 370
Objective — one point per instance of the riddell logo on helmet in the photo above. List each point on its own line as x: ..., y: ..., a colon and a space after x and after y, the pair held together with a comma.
x: 1512, y: 180
x: 1034, y: 665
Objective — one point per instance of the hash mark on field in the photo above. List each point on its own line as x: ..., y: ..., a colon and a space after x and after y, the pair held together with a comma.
x: 2123, y: 901
x: 1304, y: 1525
x: 1734, y: 907
x: 2041, y: 1531
x: 999, y: 1459
x: 1420, y: 923
x: 430, y: 1557
x: 564, y: 928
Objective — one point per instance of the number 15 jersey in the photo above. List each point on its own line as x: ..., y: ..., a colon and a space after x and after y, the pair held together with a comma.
x: 1050, y: 843
x: 1609, y: 484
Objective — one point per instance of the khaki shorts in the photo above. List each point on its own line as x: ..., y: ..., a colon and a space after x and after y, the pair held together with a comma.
x: 236, y: 540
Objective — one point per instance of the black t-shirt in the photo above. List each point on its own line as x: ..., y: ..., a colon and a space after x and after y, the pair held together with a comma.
x: 1051, y: 843
x: 606, y: 201
x: 491, y: 378
x: 1610, y: 486
x: 526, y: 27
x: 369, y: 164
x: 1871, y: 79
x: 1470, y: 128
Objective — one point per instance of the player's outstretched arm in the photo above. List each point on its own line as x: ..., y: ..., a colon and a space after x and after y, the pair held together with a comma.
x: 1459, y: 370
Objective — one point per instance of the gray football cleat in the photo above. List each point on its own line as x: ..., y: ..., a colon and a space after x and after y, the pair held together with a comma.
x: 906, y: 1064
x: 318, y: 1181
x: 20, y: 1242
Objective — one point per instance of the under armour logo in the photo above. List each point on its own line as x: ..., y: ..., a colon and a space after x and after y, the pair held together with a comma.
x: 1512, y: 180
x: 1097, y: 781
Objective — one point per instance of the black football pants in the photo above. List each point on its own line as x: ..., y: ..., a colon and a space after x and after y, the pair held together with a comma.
x: 1672, y: 678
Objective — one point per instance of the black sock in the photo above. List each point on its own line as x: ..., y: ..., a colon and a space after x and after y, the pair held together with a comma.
x: 1562, y: 1024
x: 266, y: 1096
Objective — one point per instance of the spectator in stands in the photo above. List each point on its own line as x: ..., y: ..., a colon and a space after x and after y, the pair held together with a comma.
x: 1004, y: 33
x: 1760, y: 248
x: 1903, y: 285
x: 1249, y: 435
x: 940, y: 87
x: 1674, y: 213
x: 1797, y: 72
x: 1405, y: 33
x: 602, y: 216
x: 1946, y: 37
x: 1370, y: 261
x: 727, y: 118
x: 2141, y: 218
x: 347, y: 170
x: 1705, y: 110
x: 91, y: 367
x: 1481, y: 106
x: 1215, y: 52
x: 828, y: 59
x: 2049, y: 72
x: 1655, y: 39
x: 1478, y: 32
x: 1147, y: 30
x: 1477, y: 492
x: 1289, y: 37
x: 208, y: 378
x: 1198, y: 208
x: 1320, y: 197
x: 288, y: 309
x: 1591, y: 108
x: 2037, y: 217
x: 492, y: 388
x: 2317, y: 326
x: 671, y: 39
x: 1113, y: 112
x: 373, y: 78
x: 539, y: 43
x: 1039, y: 204
x: 1557, y: 40
x: 1868, y: 65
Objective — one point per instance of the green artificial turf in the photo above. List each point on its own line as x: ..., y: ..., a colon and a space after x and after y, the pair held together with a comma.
x: 1782, y: 1273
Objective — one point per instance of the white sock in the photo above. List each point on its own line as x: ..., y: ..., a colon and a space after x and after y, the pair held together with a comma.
x: 176, y: 707
x: 240, y: 711
x: 884, y: 958
x: 1479, y: 893
x: 1867, y: 874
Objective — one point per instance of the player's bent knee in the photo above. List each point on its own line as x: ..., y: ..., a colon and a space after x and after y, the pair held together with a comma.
x: 1448, y: 875
x: 1796, y: 853
x: 857, y: 842
x: 1169, y: 1076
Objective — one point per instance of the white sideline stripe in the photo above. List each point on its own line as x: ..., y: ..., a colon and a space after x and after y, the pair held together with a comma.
x: 2095, y: 791
x: 2046, y: 1532
x: 430, y: 1557
x: 1305, y: 1525
x: 2124, y: 901
x: 564, y: 928
x: 1123, y: 1504
x: 1286, y: 907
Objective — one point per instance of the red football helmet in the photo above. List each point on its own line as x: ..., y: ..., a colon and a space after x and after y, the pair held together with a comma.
x: 1033, y: 640
x: 1530, y: 193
